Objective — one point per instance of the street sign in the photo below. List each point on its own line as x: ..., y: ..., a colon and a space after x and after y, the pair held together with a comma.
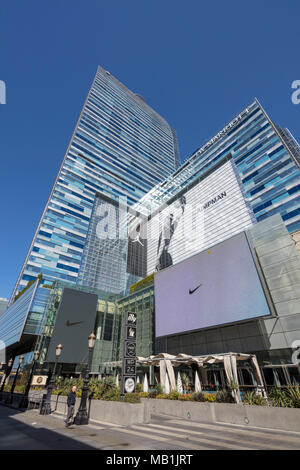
x: 129, y: 355
x: 129, y: 385
x: 130, y: 366
x: 130, y: 332
x: 130, y: 349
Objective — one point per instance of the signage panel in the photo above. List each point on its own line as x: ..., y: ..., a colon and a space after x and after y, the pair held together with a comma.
x: 129, y: 355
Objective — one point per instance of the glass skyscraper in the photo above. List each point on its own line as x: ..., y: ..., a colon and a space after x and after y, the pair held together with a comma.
x: 263, y: 169
x: 120, y: 147
x: 103, y: 265
x: 267, y: 159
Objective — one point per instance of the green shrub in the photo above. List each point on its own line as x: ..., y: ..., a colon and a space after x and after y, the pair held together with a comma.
x: 293, y: 396
x: 18, y: 388
x: 232, y: 385
x: 138, y: 388
x: 173, y: 395
x: 97, y: 388
x: 185, y: 380
x: 251, y: 398
x: 109, y: 382
x: 198, y: 396
x: 156, y: 391
x: 64, y: 386
x: 144, y: 394
x: 185, y: 397
x: 223, y: 396
x: 162, y: 396
x: 29, y: 284
x: 58, y: 382
x: 210, y: 397
x: 24, y: 379
x: 132, y: 398
x: 278, y: 397
x: 112, y: 394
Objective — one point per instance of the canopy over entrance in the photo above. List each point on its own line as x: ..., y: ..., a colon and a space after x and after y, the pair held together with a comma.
x: 167, y: 362
x: 188, y: 360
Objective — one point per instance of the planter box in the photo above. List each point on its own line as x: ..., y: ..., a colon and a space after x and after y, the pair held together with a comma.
x: 182, y: 409
x: 287, y: 419
x: 120, y: 413
x: 115, y: 412
x: 16, y: 400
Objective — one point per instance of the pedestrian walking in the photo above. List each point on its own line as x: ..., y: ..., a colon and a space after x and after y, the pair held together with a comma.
x: 71, y: 400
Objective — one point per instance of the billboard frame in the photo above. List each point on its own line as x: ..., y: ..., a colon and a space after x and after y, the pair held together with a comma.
x: 259, y: 271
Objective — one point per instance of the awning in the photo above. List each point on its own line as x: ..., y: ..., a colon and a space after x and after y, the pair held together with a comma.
x: 188, y: 360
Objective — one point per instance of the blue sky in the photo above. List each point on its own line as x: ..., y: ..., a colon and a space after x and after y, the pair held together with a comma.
x: 197, y: 63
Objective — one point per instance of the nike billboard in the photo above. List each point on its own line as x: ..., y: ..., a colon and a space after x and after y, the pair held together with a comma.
x: 75, y: 320
x: 217, y: 286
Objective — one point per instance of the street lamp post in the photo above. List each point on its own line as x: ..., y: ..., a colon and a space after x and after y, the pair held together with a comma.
x: 3, y: 376
x: 24, y: 401
x: 46, y: 404
x: 10, y: 399
x: 7, y: 372
x: 2, y: 366
x: 82, y: 415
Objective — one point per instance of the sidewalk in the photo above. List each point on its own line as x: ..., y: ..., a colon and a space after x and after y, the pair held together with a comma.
x: 32, y: 431
x: 28, y: 430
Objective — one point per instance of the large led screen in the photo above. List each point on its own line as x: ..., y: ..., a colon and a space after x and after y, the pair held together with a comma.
x: 217, y: 286
x: 211, y: 211
x: 74, y: 323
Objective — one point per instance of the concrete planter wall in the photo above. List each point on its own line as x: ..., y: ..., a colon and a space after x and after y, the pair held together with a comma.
x: 108, y: 411
x: 287, y: 419
x: 16, y: 401
x: 120, y: 413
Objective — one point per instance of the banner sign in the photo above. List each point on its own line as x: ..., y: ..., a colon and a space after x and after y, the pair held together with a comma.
x: 129, y: 355
x: 39, y: 380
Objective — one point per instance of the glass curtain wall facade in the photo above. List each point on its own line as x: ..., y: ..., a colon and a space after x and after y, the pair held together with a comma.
x: 120, y: 147
x: 107, y: 336
x: 3, y: 305
x: 104, y: 256
x: 37, y: 311
x: 114, y: 256
x: 267, y: 160
x: 12, y: 322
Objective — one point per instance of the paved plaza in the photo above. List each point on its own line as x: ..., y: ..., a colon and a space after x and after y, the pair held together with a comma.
x: 29, y: 430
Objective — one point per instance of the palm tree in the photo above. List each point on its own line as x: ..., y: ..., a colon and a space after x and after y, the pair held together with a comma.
x: 185, y: 381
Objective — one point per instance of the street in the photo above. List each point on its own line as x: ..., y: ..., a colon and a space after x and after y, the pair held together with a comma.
x: 31, y: 431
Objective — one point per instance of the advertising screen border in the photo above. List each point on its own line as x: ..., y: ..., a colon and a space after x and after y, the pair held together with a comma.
x: 262, y: 281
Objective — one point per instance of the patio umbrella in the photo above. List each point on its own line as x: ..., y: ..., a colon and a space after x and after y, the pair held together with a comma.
x: 138, y: 380
x: 179, y: 384
x: 145, y: 384
x: 117, y: 381
x: 197, y: 383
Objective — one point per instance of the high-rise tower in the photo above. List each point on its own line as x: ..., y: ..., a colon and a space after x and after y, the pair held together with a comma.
x: 120, y: 147
x: 267, y: 160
